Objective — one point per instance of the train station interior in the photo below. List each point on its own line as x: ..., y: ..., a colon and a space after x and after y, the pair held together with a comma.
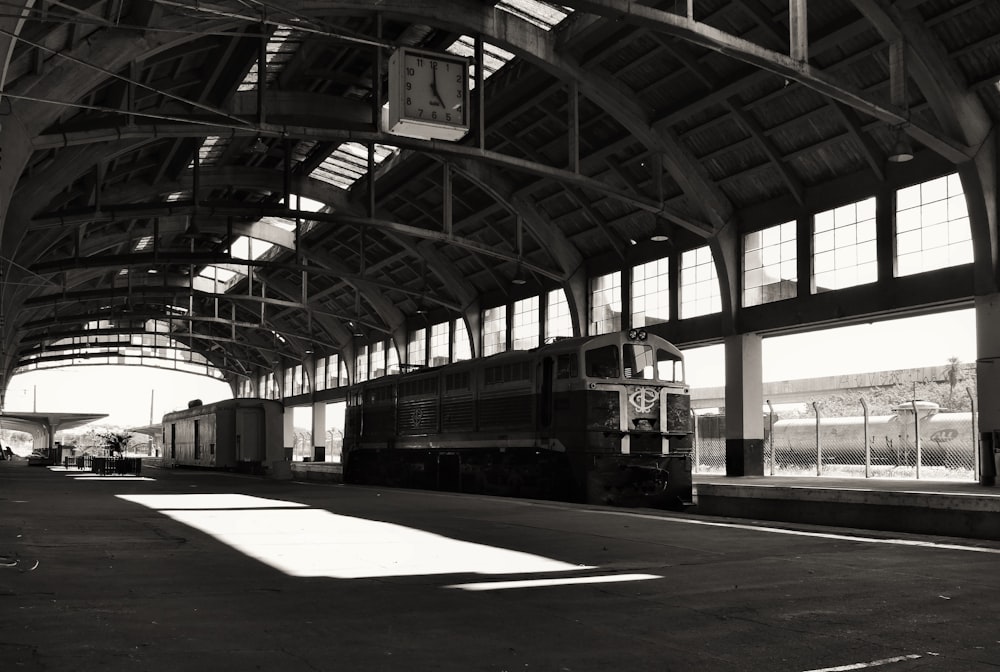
x: 241, y: 191
x: 303, y: 199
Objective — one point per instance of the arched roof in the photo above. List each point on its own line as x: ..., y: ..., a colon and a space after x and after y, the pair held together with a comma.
x: 141, y: 145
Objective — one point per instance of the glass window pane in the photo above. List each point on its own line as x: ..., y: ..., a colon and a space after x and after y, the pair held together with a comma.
x: 602, y: 362
x: 699, y: 283
x: 932, y: 221
x: 638, y: 361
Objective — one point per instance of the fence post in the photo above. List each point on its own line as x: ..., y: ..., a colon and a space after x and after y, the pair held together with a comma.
x: 976, y: 466
x: 694, y: 421
x: 868, y: 447
x: 916, y: 433
x: 819, y: 447
x: 770, y: 432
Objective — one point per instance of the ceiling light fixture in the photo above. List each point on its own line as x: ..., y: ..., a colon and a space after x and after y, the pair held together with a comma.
x: 902, y: 150
x: 661, y: 231
x: 258, y: 146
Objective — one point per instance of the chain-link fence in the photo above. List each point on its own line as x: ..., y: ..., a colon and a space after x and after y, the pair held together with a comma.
x: 915, y: 441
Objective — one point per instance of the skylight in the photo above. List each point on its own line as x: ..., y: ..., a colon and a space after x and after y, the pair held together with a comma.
x: 217, y: 273
x: 349, y: 163
x: 249, y: 248
x: 282, y: 45
x: 211, y: 150
x: 280, y: 222
x: 542, y: 14
x: 494, y: 57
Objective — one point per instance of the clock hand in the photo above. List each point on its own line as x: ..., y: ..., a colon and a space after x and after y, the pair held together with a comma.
x: 434, y: 86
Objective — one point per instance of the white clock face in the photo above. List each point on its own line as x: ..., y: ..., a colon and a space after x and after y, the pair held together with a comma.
x: 434, y: 89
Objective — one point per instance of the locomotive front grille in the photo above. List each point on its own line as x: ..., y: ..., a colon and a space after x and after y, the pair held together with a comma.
x: 603, y: 410
x: 643, y: 408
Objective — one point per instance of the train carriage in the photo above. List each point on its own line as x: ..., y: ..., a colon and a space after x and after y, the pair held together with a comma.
x: 602, y: 419
x: 238, y: 434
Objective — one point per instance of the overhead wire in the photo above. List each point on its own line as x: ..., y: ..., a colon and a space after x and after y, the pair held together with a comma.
x: 257, y: 20
x: 127, y: 80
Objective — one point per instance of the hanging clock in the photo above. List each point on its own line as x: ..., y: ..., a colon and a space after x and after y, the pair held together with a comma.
x: 428, y: 94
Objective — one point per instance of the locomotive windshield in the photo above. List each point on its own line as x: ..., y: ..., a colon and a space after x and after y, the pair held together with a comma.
x: 641, y: 363
x: 602, y: 362
x: 638, y: 361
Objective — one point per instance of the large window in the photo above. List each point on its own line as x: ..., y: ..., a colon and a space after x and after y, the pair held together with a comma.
x: 606, y: 303
x: 525, y: 327
x: 361, y: 365
x: 319, y: 374
x: 378, y: 359
x: 769, y: 265
x: 558, y: 321
x: 494, y: 330
x: 651, y: 293
x: 269, y: 387
x: 439, y: 344
x: 932, y: 226
x: 700, y: 293
x: 416, y: 348
x: 337, y: 370
x: 463, y: 348
x: 844, y: 251
x: 391, y: 358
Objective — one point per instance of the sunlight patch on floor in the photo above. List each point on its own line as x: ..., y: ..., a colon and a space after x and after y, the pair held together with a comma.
x: 307, y: 542
x: 562, y: 581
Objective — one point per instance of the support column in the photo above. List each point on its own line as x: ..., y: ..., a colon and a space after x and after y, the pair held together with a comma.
x: 988, y: 385
x: 319, y: 430
x: 288, y: 433
x: 744, y: 403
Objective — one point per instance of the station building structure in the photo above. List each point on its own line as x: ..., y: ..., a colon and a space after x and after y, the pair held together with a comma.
x: 295, y: 196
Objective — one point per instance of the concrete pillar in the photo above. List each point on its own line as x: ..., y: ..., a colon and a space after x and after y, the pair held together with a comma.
x: 288, y: 432
x: 319, y: 430
x: 988, y: 384
x: 744, y: 401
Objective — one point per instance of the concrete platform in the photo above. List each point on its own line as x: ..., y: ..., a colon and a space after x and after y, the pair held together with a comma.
x: 959, y: 509
x: 191, y: 571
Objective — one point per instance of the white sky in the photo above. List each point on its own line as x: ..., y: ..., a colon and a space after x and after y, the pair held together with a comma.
x: 125, y: 393
x: 907, y: 343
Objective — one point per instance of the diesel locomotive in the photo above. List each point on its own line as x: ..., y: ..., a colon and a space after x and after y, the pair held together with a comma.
x: 602, y: 419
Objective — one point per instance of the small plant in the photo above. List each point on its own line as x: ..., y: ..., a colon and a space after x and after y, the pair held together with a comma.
x: 115, y: 442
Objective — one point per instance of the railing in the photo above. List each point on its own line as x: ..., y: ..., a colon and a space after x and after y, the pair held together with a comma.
x: 106, y: 466
x: 915, y: 442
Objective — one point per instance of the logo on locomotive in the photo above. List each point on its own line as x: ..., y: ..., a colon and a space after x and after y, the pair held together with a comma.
x: 644, y: 399
x: 943, y: 435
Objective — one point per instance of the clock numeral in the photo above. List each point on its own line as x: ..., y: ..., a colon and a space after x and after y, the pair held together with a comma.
x: 409, y: 101
x: 409, y: 86
x: 411, y: 71
x: 458, y: 78
x: 447, y: 116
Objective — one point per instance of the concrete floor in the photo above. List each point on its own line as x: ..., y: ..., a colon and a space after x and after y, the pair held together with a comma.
x: 204, y: 571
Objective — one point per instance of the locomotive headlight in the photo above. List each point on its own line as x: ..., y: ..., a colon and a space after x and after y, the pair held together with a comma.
x: 637, y: 334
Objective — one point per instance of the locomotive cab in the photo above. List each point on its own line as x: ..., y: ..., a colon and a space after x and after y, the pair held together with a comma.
x: 629, y: 393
